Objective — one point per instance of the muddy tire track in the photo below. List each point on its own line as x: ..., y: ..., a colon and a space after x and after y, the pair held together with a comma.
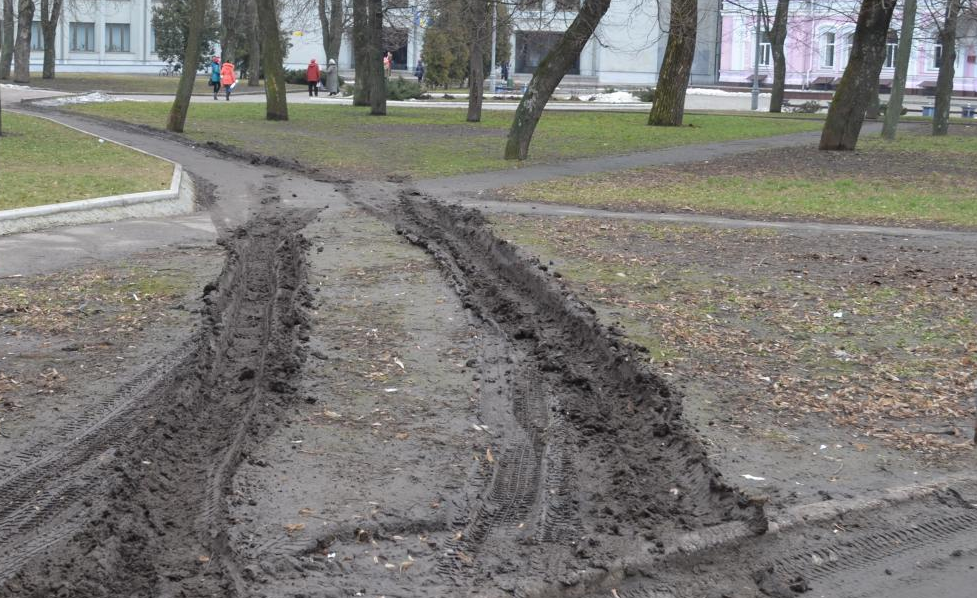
x: 592, y: 444
x: 45, y: 482
x: 156, y: 522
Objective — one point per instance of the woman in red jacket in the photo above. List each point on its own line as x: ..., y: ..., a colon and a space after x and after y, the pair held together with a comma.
x: 228, y: 79
x: 312, y: 78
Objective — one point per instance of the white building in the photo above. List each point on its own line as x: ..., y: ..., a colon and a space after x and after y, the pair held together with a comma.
x: 117, y: 36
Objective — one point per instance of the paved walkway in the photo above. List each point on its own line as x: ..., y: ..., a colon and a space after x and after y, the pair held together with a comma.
x: 238, y: 185
x: 541, y: 209
x: 474, y: 183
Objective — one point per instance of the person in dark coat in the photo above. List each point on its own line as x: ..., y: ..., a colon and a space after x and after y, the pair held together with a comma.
x: 505, y: 71
x: 215, y: 75
x: 312, y: 78
x: 419, y: 71
x: 332, y: 77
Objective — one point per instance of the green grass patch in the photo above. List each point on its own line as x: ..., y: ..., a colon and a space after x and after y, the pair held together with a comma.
x: 426, y: 142
x: 127, y: 83
x: 849, y: 199
x: 45, y: 163
x: 918, y: 179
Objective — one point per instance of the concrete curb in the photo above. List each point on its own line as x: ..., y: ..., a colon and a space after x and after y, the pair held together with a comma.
x: 648, y: 556
x: 177, y: 200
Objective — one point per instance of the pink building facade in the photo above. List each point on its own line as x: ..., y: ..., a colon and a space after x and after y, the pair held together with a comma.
x: 818, y: 44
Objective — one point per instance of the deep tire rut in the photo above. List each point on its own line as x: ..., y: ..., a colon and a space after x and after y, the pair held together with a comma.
x: 160, y: 529
x: 588, y: 440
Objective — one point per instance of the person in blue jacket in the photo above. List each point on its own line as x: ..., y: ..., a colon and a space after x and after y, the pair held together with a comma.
x: 215, y: 75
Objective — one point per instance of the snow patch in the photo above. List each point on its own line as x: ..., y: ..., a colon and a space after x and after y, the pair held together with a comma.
x: 87, y: 98
x: 694, y: 91
x: 616, y: 97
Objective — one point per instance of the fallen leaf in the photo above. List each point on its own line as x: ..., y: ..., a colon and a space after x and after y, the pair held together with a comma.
x: 291, y: 528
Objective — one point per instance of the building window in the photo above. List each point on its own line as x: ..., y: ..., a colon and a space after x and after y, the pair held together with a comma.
x: 828, y: 49
x: 116, y: 37
x: 936, y: 56
x: 37, y: 37
x: 82, y: 36
x: 152, y: 39
x: 766, y: 53
x: 891, y: 45
x: 567, y: 5
x: 846, y: 50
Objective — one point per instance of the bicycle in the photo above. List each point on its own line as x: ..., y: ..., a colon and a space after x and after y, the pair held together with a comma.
x: 169, y: 70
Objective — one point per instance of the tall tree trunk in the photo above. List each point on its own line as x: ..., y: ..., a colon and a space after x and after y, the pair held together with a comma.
x: 7, y: 51
x: 181, y: 103
x: 903, y: 53
x: 847, y: 111
x: 335, y: 29
x: 361, y: 52
x: 548, y: 75
x: 324, y: 15
x: 669, y: 105
x: 777, y: 35
x: 229, y: 13
x: 22, y: 46
x: 874, y: 103
x: 378, y: 82
x: 478, y: 13
x: 944, y: 81
x: 49, y: 31
x: 276, y: 104
x: 254, y: 54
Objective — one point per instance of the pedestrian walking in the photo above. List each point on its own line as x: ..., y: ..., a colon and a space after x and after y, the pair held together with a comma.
x: 312, y: 78
x: 215, y: 75
x: 332, y: 77
x: 505, y: 72
x: 419, y: 71
x: 388, y: 64
x: 228, y: 78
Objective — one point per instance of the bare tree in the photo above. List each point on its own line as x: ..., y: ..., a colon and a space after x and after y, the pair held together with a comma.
x: 944, y: 81
x: 332, y: 20
x: 548, y: 75
x: 7, y: 51
x: 847, y: 111
x: 777, y: 34
x: 361, y: 52
x: 181, y: 103
x: 50, y: 16
x: 669, y: 105
x: 22, y: 46
x: 233, y: 13
x: 254, y: 53
x: 479, y: 22
x: 894, y: 108
x: 276, y: 104
x: 377, y: 80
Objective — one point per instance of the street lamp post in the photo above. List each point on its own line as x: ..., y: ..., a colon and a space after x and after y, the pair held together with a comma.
x: 495, y: 16
x: 755, y: 92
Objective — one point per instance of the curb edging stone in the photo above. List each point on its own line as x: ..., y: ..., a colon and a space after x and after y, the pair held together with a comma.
x: 177, y: 200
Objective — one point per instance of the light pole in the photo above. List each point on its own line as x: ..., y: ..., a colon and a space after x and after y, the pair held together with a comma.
x: 495, y: 16
x: 755, y: 92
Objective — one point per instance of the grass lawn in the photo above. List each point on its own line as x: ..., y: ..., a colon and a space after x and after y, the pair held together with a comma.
x: 779, y: 329
x: 916, y: 180
x: 46, y: 163
x: 432, y: 142
x: 122, y: 83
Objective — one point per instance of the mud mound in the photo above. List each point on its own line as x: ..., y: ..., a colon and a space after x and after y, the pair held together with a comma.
x: 158, y: 525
